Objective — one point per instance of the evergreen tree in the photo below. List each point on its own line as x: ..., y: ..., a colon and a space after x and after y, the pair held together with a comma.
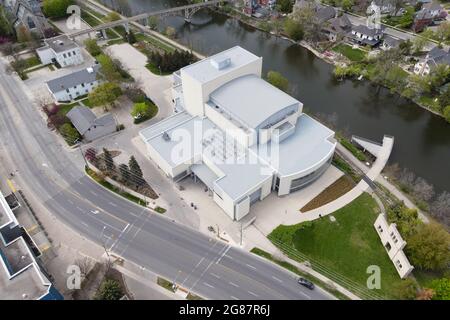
x: 124, y: 173
x: 109, y: 161
x: 136, y: 172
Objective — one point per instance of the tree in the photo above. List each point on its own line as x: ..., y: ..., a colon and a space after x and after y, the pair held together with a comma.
x: 92, y: 47
x: 423, y: 190
x: 136, y: 172
x: 419, y: 43
x: 6, y: 28
x: 441, y: 288
x: 294, y: 30
x: 105, y: 94
x: 130, y: 37
x: 153, y: 22
x: 91, y: 156
x: 405, y: 218
x: 140, y: 109
x: 109, y: 290
x: 69, y: 133
x: 109, y: 161
x: 440, y: 208
x: 446, y: 113
x: 56, y: 8
x: 108, y: 69
x: 285, y: 6
x: 439, y: 76
x: 442, y: 32
x: 277, y: 80
x: 112, y: 16
x: 444, y: 98
x: 425, y: 294
x: 347, y: 4
x: 170, y: 32
x: 429, y: 247
x: 85, y: 264
x: 125, y: 173
x: 406, y: 289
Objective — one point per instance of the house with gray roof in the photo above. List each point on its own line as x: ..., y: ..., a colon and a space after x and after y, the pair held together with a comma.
x: 338, y: 27
x: 89, y: 125
x: 237, y: 134
x: 75, y: 84
x: 435, y: 57
x: 28, y: 14
x: 436, y: 10
x: 322, y: 12
x: 60, y: 50
x: 364, y: 35
x: 390, y: 42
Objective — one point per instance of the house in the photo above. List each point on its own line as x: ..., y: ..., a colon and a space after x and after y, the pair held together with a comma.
x: 337, y: 27
x: 21, y: 276
x: 237, y: 134
x: 386, y: 6
x: 422, y: 19
x: 394, y: 245
x: 436, y: 10
x: 28, y: 14
x: 322, y: 13
x: 434, y: 58
x: 60, y: 50
x: 74, y: 85
x: 390, y: 42
x: 365, y: 35
x: 89, y: 126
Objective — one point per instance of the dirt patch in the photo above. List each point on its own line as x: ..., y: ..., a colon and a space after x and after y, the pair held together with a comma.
x: 331, y: 193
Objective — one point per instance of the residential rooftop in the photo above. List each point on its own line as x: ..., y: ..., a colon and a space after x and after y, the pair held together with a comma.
x: 61, y: 43
x: 73, y: 79
x: 214, y: 66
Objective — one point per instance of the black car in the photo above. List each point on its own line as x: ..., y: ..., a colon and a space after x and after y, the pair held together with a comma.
x: 306, y: 283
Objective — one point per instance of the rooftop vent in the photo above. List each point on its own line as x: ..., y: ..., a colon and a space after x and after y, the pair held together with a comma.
x: 166, y: 136
x: 220, y: 63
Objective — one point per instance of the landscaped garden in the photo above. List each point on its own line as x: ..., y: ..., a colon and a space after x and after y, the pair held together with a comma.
x: 342, y: 249
x: 350, y: 53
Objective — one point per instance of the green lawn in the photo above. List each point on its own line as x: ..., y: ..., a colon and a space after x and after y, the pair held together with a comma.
x: 155, y: 42
x: 64, y: 108
x: 342, y: 250
x: 155, y: 70
x: 350, y: 53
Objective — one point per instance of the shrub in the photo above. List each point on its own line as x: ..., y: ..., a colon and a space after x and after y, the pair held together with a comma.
x: 446, y: 113
x: 69, y: 133
x: 109, y: 290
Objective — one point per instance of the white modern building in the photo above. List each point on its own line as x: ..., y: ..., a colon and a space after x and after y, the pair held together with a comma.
x: 238, y: 134
x: 60, y: 50
x: 74, y: 85
x: 394, y: 244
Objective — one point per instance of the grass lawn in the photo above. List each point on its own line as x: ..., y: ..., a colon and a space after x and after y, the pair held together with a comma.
x: 349, y: 52
x: 87, y: 103
x: 165, y: 284
x: 155, y: 42
x: 64, y: 108
x: 430, y: 102
x: 342, y: 250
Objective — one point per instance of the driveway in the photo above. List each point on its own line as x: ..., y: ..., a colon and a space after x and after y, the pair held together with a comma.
x: 157, y: 88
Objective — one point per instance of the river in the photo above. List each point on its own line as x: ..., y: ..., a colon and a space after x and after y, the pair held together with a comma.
x: 422, y: 139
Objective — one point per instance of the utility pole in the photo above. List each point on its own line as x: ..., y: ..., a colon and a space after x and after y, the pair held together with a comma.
x: 241, y: 234
x: 82, y: 154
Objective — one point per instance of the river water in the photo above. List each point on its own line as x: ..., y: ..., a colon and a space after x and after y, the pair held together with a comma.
x: 422, y: 139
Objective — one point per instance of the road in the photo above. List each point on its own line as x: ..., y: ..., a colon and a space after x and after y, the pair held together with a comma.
x: 203, y: 265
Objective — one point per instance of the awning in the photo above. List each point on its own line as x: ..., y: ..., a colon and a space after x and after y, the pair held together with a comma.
x: 206, y: 175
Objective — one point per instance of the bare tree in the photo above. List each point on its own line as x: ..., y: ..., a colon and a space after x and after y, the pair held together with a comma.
x: 407, y: 178
x: 85, y: 264
x: 422, y: 189
x: 440, y: 208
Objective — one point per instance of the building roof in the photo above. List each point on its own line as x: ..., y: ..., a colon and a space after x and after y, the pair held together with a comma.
x: 73, y: 79
x: 251, y: 100
x: 391, y: 41
x: 363, y: 29
x: 433, y: 6
x: 325, y: 13
x: 61, y: 43
x: 310, y: 143
x: 438, y: 56
x: 208, y: 69
x: 83, y: 119
x: 423, y: 14
x: 340, y: 24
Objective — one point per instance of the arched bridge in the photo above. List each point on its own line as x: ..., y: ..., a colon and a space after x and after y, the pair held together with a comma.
x: 188, y: 11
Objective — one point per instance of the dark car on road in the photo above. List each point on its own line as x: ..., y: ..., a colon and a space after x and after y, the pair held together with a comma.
x: 306, y: 283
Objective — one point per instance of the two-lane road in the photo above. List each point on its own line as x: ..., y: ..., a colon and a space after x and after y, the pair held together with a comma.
x: 206, y: 266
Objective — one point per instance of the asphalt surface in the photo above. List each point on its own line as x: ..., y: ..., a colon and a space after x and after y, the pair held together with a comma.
x: 201, y: 264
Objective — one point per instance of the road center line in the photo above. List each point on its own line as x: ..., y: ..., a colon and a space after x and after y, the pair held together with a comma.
x: 215, y: 275
x: 252, y: 293
x: 250, y: 266
x: 233, y: 284
x: 208, y: 285
x: 113, y: 204
x: 234, y: 298
x: 275, y: 278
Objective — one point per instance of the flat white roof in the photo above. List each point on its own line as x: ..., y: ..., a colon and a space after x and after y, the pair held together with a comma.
x: 307, y: 146
x: 205, y: 70
x: 252, y: 100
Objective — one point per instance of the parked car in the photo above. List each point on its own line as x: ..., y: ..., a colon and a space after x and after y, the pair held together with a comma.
x: 306, y: 283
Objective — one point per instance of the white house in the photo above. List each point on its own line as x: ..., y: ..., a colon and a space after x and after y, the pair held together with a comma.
x: 238, y: 134
x: 60, y: 50
x: 365, y: 35
x: 74, y: 85
x: 394, y: 244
